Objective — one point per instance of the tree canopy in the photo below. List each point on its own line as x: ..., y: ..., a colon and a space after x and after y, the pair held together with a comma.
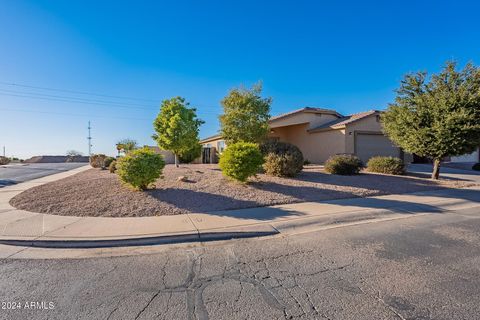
x: 245, y: 115
x: 176, y: 127
x: 436, y: 116
x: 126, y: 145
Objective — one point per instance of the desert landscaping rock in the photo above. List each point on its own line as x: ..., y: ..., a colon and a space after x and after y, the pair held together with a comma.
x: 98, y: 193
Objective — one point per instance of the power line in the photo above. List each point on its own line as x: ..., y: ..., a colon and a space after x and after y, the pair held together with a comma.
x: 74, y: 91
x: 89, y: 103
x: 83, y: 93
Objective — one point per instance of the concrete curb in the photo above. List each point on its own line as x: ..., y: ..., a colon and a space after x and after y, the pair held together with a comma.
x: 28, y: 229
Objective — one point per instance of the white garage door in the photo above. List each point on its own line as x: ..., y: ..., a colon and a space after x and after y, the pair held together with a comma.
x: 370, y: 145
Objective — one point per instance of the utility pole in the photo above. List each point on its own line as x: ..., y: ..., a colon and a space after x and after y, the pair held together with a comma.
x: 89, y: 138
x: 4, y: 151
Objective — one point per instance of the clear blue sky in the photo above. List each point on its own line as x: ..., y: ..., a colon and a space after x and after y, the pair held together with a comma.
x: 345, y: 55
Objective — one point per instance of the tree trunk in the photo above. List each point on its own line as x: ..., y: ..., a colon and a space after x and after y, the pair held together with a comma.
x: 436, y: 169
x: 176, y: 161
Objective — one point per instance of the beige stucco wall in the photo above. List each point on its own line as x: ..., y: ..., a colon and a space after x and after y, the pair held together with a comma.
x: 368, y: 124
x: 316, y: 147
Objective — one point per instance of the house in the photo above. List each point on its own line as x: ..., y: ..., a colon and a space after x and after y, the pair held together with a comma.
x: 472, y: 157
x: 321, y: 133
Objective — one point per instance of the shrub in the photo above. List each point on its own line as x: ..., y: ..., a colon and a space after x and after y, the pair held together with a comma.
x: 476, y: 166
x: 113, y: 166
x: 389, y: 165
x: 4, y: 160
x: 97, y: 160
x: 343, y: 165
x: 241, y: 160
x: 193, y: 153
x: 108, y: 161
x: 281, y: 159
x: 140, y: 167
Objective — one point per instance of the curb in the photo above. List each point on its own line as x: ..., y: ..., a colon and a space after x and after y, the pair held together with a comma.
x: 145, y: 241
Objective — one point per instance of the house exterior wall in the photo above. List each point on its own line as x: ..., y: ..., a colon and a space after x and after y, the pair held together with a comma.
x: 368, y: 125
x: 168, y: 156
x: 472, y: 157
x: 316, y: 147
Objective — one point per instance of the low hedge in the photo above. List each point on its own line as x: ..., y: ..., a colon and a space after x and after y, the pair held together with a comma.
x: 140, y: 167
x: 241, y: 160
x: 388, y: 165
x: 97, y: 160
x: 113, y: 166
x: 282, y: 159
x: 343, y: 165
x: 4, y: 160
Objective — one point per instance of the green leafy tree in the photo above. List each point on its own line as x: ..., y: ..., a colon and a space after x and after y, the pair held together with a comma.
x: 189, y: 155
x: 245, y: 115
x: 126, y: 145
x: 176, y: 127
x: 436, y: 116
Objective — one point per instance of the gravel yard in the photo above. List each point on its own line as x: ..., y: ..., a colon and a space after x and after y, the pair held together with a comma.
x: 100, y: 193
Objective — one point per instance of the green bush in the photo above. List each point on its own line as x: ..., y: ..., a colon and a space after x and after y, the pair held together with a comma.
x: 4, y: 160
x: 112, y: 167
x: 241, y: 160
x: 388, y: 165
x: 193, y: 153
x: 476, y: 166
x: 282, y: 159
x: 97, y: 160
x: 108, y: 161
x: 139, y: 168
x: 343, y: 165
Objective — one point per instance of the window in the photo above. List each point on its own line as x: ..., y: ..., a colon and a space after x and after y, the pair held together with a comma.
x: 220, y: 146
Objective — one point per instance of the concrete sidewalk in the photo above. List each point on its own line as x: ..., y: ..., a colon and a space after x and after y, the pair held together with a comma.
x: 25, y: 228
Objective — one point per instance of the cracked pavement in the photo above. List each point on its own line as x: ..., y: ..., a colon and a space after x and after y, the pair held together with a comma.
x: 424, y: 267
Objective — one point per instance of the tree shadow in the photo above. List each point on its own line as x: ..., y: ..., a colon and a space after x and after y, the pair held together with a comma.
x: 6, y: 182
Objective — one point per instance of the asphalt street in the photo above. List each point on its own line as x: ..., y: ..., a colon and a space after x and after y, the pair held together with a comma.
x: 424, y: 267
x: 11, y: 174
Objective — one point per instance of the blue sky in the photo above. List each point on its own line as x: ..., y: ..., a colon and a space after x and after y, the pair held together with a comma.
x: 344, y: 55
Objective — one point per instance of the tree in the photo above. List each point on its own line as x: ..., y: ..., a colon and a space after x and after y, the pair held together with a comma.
x: 176, y: 127
x: 126, y: 145
x: 74, y: 153
x: 245, y: 115
x: 436, y: 116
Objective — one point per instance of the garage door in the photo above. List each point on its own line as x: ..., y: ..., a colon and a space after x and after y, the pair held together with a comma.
x: 370, y: 145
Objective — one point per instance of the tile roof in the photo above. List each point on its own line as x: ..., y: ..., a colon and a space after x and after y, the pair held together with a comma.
x: 214, y: 137
x: 306, y: 109
x: 343, y: 121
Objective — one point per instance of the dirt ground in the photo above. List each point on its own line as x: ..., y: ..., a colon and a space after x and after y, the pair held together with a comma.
x: 99, y: 193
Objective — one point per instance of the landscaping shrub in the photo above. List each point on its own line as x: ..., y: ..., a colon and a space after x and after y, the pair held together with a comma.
x: 476, y: 166
x: 189, y: 155
x: 97, y: 160
x: 4, y: 160
x: 282, y: 159
x: 139, y: 168
x: 108, y: 161
x: 241, y: 160
x: 343, y: 165
x: 112, y: 167
x: 389, y: 165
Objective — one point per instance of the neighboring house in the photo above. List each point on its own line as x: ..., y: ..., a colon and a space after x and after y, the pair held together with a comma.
x: 321, y: 133
x: 472, y: 157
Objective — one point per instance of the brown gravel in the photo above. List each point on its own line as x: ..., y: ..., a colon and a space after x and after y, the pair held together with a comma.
x: 100, y: 193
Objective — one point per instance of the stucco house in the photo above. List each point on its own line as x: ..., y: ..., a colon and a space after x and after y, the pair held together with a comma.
x: 321, y: 133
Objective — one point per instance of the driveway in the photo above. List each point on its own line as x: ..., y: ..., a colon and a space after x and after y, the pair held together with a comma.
x: 445, y: 172
x: 12, y: 174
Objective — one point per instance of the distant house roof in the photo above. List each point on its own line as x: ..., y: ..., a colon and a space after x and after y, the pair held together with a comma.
x: 306, y: 110
x: 211, y: 138
x: 343, y: 121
